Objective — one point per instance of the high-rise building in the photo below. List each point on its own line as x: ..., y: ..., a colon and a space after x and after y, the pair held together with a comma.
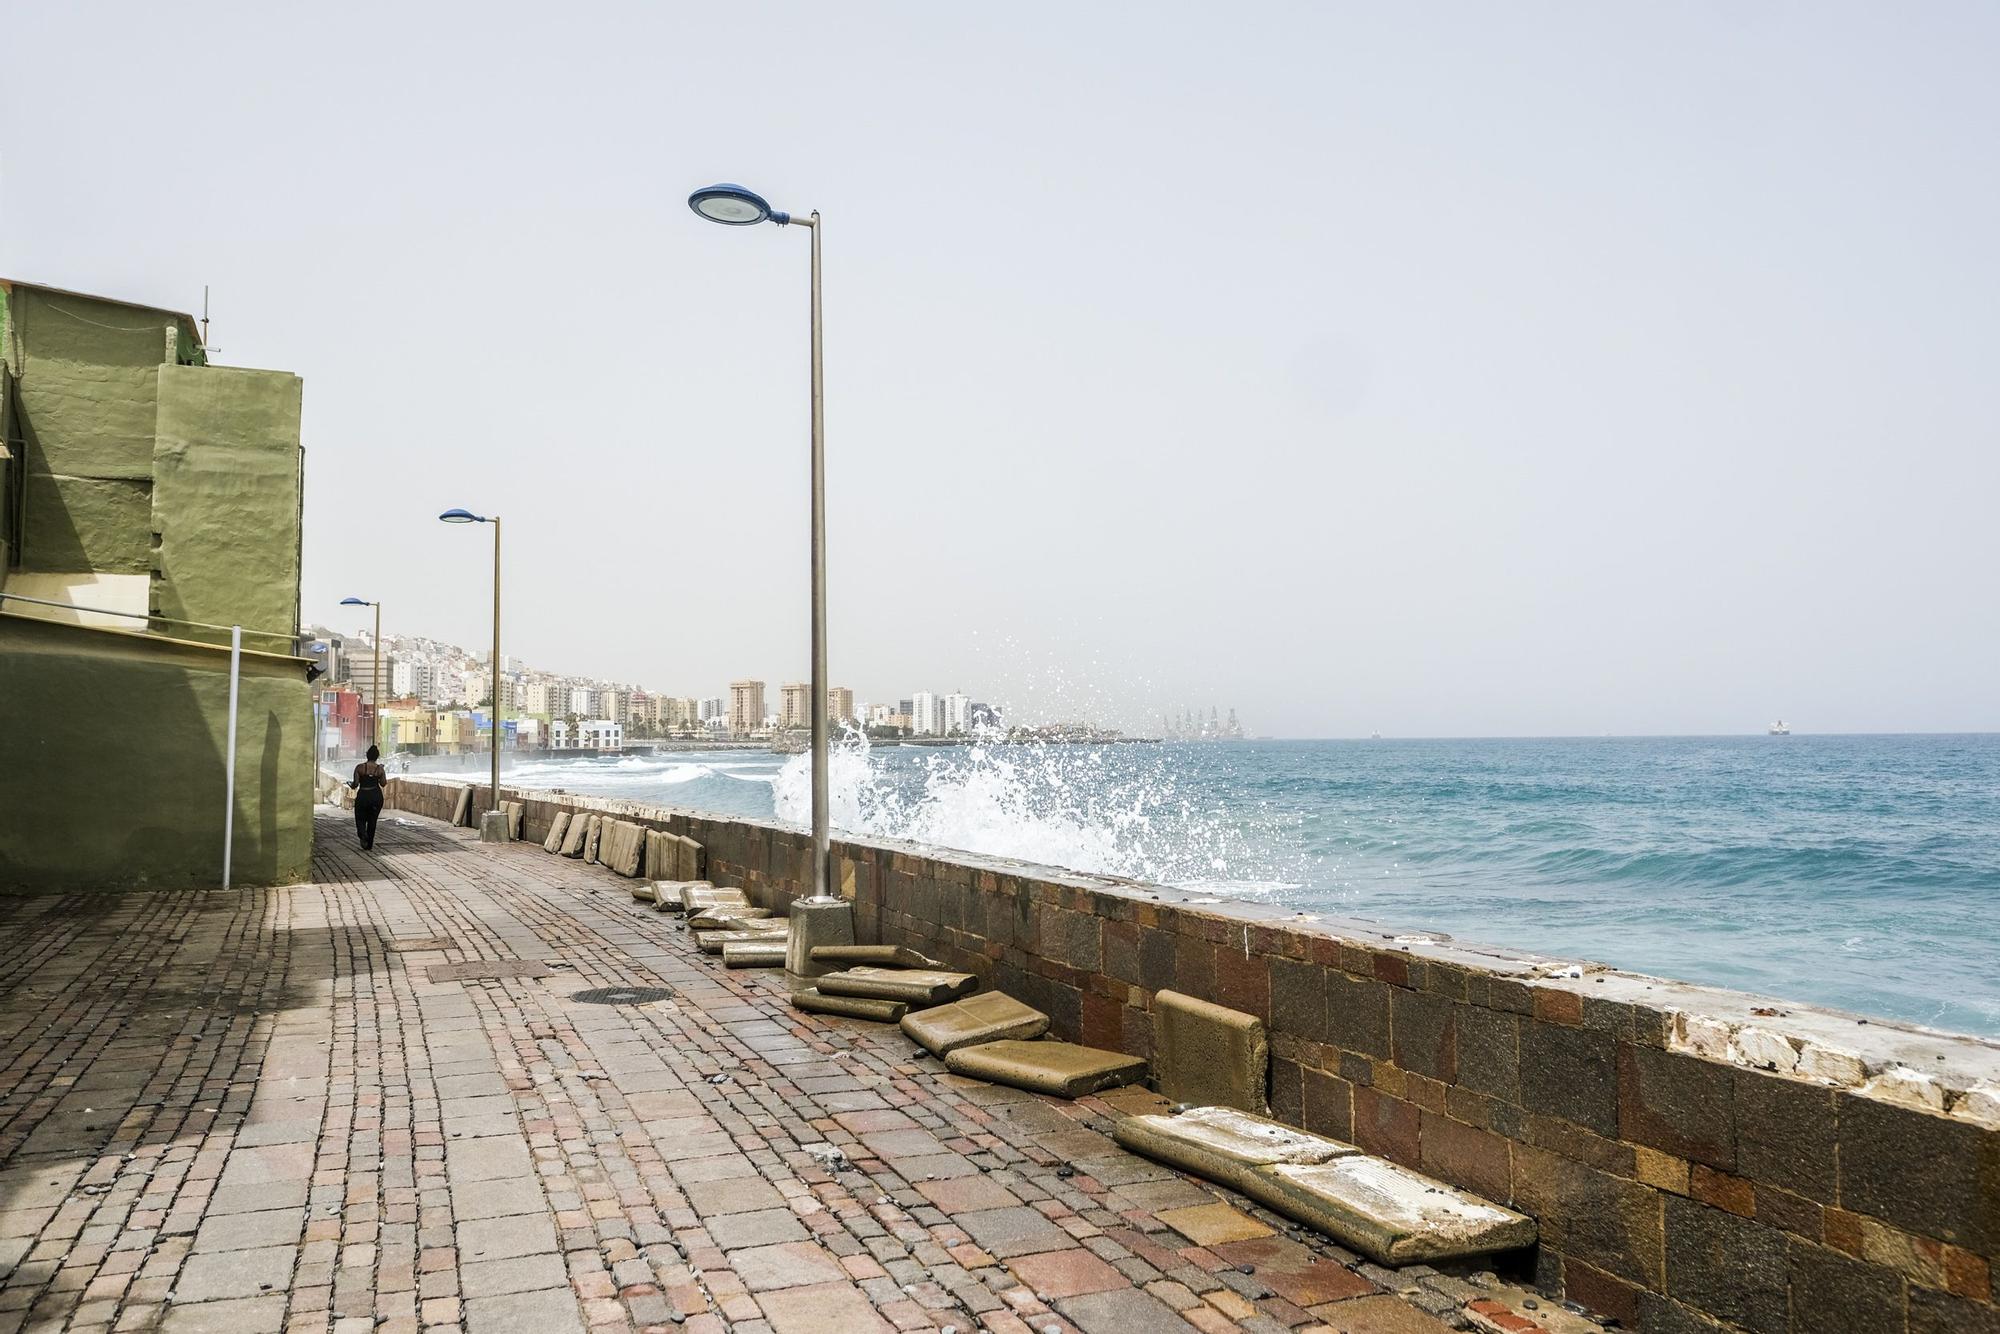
x: 957, y: 714
x: 795, y: 705
x: 746, y: 706
x: 712, y: 710
x: 926, y: 714
x: 839, y: 706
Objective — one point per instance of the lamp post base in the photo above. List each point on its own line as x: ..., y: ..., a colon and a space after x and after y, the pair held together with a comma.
x: 493, y: 827
x: 816, y: 922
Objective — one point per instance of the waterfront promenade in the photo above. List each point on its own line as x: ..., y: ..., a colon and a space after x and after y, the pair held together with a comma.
x: 305, y: 1109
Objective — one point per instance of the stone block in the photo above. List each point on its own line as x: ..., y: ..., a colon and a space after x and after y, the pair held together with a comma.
x: 1391, y: 1214
x: 1727, y: 1266
x: 991, y: 1016
x: 715, y: 942
x: 879, y: 956
x: 461, y: 810
x: 1682, y: 1105
x: 1223, y: 1144
x: 689, y: 857
x: 1206, y: 1055
x: 731, y: 917
x: 1357, y: 1014
x: 1423, y: 1034
x: 1489, y: 1052
x: 814, y: 1001
x: 817, y: 923
x: 1832, y: 1292
x: 1298, y: 1000
x: 1922, y: 1172
x: 593, y: 837
x: 1786, y: 1134
x: 516, y: 813
x: 1570, y: 1073
x: 694, y: 895
x: 558, y: 831
x: 1058, y: 1068
x: 493, y: 827
x: 576, y: 835
x: 1386, y: 1124
x: 913, y: 986
x: 1466, y: 1156
x: 1942, y: 1313
x: 1604, y: 1220
x: 766, y: 953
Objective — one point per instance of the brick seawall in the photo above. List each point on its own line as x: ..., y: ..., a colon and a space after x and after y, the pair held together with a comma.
x: 1698, y: 1159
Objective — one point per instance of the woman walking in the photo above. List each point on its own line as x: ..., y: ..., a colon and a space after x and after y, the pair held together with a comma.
x: 369, y: 776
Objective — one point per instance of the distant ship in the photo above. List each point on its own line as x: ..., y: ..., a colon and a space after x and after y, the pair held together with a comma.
x: 1779, y: 729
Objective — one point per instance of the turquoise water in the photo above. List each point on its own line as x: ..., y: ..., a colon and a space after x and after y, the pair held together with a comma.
x: 1860, y: 872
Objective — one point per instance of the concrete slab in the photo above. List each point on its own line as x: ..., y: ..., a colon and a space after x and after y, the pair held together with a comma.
x: 879, y: 956
x: 991, y: 1016
x: 754, y: 933
x: 461, y: 811
x: 623, y: 847
x: 913, y: 986
x: 815, y: 1001
x: 1207, y: 1055
x: 726, y: 918
x: 769, y: 953
x: 699, y: 894
x: 689, y: 857
x: 1390, y: 1214
x: 576, y: 835
x: 1060, y: 1068
x: 1223, y: 1144
x: 593, y: 837
x: 557, y: 833
x: 516, y: 813
x: 493, y: 827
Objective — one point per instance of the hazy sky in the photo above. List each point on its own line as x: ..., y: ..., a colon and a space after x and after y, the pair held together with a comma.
x: 1416, y: 368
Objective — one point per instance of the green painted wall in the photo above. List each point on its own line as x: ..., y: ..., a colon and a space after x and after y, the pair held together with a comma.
x: 114, y: 775
x: 226, y: 496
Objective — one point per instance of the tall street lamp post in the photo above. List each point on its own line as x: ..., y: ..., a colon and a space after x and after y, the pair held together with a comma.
x: 734, y: 206
x: 467, y: 516
x: 364, y: 602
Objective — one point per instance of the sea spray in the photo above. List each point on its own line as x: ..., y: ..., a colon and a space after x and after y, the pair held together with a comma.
x: 1110, y: 810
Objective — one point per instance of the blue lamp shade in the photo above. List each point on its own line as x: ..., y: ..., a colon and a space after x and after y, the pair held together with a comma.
x: 732, y: 206
x: 356, y: 602
x: 461, y: 516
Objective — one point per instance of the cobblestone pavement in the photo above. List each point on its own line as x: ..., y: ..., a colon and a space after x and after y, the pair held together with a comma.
x: 257, y: 1111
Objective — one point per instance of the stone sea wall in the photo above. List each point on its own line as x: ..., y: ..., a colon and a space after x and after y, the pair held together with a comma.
x: 1698, y: 1159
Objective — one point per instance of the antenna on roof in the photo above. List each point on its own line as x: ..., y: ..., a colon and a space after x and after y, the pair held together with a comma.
x: 204, y: 321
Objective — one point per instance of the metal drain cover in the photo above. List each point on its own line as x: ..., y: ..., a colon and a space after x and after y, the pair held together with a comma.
x: 623, y: 995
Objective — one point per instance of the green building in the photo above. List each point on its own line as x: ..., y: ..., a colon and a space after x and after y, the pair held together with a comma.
x: 154, y: 500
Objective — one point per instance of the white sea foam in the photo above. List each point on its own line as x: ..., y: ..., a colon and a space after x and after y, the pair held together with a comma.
x: 1065, y: 806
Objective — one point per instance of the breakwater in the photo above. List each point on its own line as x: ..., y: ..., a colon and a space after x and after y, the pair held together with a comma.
x: 1697, y: 1159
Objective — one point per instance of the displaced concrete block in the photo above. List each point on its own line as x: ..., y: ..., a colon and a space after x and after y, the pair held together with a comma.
x: 1390, y: 1214
x: 714, y: 942
x: 1206, y: 1055
x: 493, y: 827
x: 913, y: 986
x: 1906, y: 1088
x: 461, y: 811
x: 815, y: 1001
x: 720, y: 918
x: 755, y: 953
x: 689, y: 857
x: 557, y: 833
x: 1060, y: 1068
x: 624, y: 846
x: 815, y: 924
x: 1980, y: 1105
x: 577, y: 836
x: 663, y: 856
x: 1831, y: 1066
x: 593, y: 837
x: 991, y: 1016
x: 699, y: 894
x: 516, y: 813
x: 880, y: 956
x: 1225, y: 1144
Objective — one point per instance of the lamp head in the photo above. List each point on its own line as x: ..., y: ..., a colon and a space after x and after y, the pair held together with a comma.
x: 356, y: 602
x: 734, y: 206
x: 461, y: 516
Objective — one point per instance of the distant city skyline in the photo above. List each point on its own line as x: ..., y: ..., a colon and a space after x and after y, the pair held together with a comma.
x: 1453, y: 370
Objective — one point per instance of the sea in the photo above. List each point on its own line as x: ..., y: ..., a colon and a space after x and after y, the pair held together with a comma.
x: 1859, y: 872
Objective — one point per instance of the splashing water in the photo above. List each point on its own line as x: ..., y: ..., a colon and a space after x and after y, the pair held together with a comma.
x: 1109, y: 810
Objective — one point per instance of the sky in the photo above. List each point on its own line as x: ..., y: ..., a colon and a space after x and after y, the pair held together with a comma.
x: 1435, y: 369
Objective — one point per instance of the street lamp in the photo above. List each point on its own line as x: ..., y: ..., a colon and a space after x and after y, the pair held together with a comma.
x: 734, y: 206
x: 364, y: 602
x: 467, y: 516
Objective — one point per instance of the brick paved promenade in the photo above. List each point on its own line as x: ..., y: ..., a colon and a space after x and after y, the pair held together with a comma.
x: 256, y: 1111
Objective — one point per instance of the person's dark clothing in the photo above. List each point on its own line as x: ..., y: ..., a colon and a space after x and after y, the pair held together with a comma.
x: 367, y: 802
